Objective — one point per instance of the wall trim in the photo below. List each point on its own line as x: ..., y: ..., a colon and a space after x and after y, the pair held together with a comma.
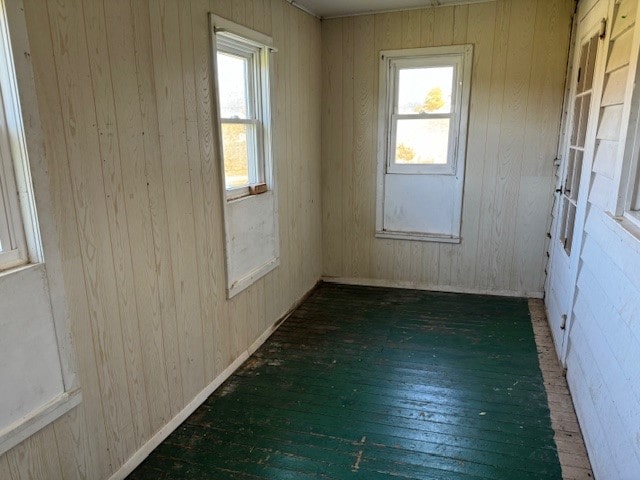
x: 374, y: 282
x: 143, y: 452
x: 38, y: 419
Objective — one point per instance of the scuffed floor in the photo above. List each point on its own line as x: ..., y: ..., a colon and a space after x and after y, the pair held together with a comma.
x: 374, y: 383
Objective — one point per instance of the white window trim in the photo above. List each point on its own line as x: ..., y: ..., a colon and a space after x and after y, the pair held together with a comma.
x: 27, y: 147
x: 627, y: 174
x: 21, y: 230
x: 458, y: 138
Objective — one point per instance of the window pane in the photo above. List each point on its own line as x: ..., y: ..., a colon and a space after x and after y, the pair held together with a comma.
x: 422, y: 141
x: 425, y: 90
x: 236, y: 143
x: 233, y: 77
x: 5, y: 243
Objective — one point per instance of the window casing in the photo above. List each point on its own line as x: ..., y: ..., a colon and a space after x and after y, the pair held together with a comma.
x: 242, y: 80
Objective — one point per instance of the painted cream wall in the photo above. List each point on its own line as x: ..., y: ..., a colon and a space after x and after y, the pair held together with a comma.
x: 520, y: 59
x: 125, y: 100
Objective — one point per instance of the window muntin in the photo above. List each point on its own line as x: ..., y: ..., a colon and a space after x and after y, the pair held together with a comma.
x: 241, y: 70
x: 423, y: 94
x: 581, y: 109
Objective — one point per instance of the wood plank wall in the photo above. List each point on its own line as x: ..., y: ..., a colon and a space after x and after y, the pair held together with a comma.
x: 125, y: 100
x: 519, y: 66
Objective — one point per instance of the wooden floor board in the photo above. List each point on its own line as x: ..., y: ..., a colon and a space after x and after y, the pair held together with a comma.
x: 372, y: 383
x: 568, y: 436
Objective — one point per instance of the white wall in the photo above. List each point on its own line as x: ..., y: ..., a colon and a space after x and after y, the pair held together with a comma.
x: 520, y: 57
x: 123, y: 90
x: 603, y: 359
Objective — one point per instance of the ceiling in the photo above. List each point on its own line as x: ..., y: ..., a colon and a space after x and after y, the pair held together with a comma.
x: 341, y: 8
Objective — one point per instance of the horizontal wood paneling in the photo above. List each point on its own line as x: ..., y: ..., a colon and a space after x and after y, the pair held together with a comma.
x: 603, y: 358
x: 520, y: 56
x: 124, y: 95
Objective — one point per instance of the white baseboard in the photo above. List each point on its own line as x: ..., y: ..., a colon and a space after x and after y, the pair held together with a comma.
x: 141, y: 454
x: 374, y: 282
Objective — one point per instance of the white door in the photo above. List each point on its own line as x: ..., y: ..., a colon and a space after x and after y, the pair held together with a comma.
x: 576, y: 152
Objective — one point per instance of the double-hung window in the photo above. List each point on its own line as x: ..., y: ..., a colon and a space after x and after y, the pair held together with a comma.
x: 243, y: 97
x: 241, y: 67
x: 423, y: 111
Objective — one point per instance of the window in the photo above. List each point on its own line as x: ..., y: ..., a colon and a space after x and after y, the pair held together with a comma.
x: 580, y: 111
x: 242, y: 79
x: 13, y: 247
x: 423, y: 110
x: 241, y: 65
x: 425, y: 95
x: 12, y: 244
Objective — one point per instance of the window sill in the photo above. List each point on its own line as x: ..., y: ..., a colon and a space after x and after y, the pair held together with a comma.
x: 19, y: 269
x: 246, y: 192
x: 38, y: 419
x: 252, y: 277
x: 419, y: 237
x: 630, y: 231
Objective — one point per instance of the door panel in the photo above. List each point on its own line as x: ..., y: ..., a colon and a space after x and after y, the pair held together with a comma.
x: 576, y: 153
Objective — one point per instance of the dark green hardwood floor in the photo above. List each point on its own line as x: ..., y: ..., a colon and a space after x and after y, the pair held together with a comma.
x: 374, y: 383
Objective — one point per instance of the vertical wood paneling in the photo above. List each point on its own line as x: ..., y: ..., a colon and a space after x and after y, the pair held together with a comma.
x: 363, y: 169
x: 88, y: 452
x: 332, y: 151
x: 516, y: 99
x: 36, y: 458
x: 159, y: 220
x: 109, y: 150
x: 83, y: 151
x: 127, y: 120
x: 124, y: 93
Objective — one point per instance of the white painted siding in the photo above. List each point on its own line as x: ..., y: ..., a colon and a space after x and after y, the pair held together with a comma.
x: 603, y: 359
x: 124, y: 94
x: 520, y: 57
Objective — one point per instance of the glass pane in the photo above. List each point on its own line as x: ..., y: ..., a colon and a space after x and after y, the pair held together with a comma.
x: 568, y: 182
x: 569, y: 222
x: 576, y: 175
x: 235, y: 145
x: 233, y: 76
x: 584, y: 55
x: 591, y: 63
x: 422, y: 141
x: 584, y: 119
x: 4, y: 216
x: 425, y: 90
x: 576, y: 121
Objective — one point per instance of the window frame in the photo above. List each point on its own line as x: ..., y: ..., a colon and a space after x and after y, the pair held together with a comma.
x: 237, y: 40
x: 18, y: 219
x: 456, y: 56
x: 627, y: 201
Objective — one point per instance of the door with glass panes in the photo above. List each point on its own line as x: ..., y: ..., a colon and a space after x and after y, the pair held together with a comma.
x: 576, y: 153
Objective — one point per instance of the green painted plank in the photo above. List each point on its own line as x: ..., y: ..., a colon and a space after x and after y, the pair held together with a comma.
x: 373, y: 383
